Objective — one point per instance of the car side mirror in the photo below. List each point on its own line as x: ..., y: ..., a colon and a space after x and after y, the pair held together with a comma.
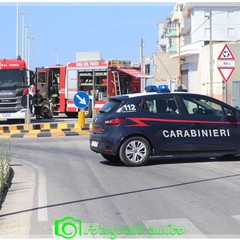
x: 229, y: 114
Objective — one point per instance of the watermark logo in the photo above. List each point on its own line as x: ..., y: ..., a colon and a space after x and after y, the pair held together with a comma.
x: 69, y: 227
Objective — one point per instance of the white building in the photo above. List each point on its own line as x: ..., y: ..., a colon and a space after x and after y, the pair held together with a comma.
x: 205, y: 26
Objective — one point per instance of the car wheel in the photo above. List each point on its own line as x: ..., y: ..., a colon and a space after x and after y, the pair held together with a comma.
x: 111, y: 158
x: 135, y: 151
x: 228, y: 157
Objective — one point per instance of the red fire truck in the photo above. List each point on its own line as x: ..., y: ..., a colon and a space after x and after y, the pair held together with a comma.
x: 14, y: 82
x: 103, y: 78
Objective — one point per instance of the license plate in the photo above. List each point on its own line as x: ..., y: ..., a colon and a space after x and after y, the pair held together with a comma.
x: 94, y: 144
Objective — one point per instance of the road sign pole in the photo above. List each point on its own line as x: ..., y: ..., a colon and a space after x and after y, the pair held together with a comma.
x: 226, y: 89
x: 81, y: 118
x: 226, y: 67
x: 81, y: 101
x: 93, y: 95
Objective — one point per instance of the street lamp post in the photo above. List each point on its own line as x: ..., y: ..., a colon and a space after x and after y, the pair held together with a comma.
x: 23, y: 33
x: 57, y: 50
x: 29, y: 50
x: 27, y: 42
x: 17, y: 31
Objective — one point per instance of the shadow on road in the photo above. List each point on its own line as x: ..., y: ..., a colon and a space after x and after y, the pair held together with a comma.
x: 114, y: 195
x: 176, y: 160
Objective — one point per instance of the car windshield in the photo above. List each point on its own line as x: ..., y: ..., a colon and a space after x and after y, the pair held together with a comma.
x: 110, y: 106
x: 13, y: 78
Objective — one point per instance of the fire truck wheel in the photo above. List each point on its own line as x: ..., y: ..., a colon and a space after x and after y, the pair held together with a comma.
x: 46, y: 111
x: 71, y: 114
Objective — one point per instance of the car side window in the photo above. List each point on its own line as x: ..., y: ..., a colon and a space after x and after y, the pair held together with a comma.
x: 202, y: 106
x: 160, y: 105
x: 149, y: 105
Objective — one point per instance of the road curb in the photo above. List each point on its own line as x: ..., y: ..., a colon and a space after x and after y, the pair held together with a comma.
x: 44, y: 130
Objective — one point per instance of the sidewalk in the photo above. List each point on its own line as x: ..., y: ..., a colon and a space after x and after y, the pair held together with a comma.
x: 15, y: 214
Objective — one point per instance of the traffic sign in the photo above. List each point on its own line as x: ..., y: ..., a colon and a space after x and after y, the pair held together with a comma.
x: 81, y: 99
x: 226, y: 54
x: 226, y: 63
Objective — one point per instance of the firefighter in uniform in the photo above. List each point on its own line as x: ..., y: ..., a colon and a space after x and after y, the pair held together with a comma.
x: 38, y: 103
x: 54, y: 94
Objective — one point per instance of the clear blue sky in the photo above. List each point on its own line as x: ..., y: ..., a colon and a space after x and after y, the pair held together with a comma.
x: 113, y: 29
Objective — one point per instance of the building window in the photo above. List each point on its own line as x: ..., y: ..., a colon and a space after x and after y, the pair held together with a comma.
x: 230, y: 14
x: 207, y: 13
x: 147, y: 68
x: 207, y: 32
x: 174, y: 42
x: 231, y: 32
x: 173, y: 25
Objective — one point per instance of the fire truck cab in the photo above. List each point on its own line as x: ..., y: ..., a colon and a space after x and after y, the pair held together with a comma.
x: 15, y: 80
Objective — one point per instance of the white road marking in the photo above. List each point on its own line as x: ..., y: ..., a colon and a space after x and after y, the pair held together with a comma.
x: 42, y: 191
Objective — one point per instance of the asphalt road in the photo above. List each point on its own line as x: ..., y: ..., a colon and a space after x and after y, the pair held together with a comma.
x: 59, y: 177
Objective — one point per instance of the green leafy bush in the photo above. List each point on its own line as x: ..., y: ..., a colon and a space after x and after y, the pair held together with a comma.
x: 5, y: 158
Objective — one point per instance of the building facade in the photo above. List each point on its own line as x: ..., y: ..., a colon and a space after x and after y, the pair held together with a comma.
x: 205, y: 28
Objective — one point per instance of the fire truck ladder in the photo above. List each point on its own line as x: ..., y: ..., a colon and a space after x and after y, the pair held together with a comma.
x: 116, y: 82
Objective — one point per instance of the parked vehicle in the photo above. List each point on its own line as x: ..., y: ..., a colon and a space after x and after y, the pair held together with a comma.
x: 15, y: 80
x: 103, y: 78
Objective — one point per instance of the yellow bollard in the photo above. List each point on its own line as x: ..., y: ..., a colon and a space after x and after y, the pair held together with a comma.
x: 81, y: 118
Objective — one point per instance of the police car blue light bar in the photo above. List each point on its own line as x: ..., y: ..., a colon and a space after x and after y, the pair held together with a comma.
x: 159, y: 89
x: 151, y: 88
x: 163, y: 89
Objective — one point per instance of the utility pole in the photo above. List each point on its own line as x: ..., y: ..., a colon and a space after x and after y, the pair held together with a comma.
x: 17, y: 31
x: 23, y: 34
x: 179, y: 55
x: 141, y: 63
x: 141, y: 55
x: 211, y: 54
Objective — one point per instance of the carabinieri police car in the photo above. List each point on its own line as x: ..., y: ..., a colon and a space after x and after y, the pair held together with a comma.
x: 132, y: 128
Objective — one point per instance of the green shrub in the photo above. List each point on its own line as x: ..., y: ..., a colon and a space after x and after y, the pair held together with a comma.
x: 5, y: 158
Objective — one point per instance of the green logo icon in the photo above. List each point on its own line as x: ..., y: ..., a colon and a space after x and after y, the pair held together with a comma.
x: 68, y: 227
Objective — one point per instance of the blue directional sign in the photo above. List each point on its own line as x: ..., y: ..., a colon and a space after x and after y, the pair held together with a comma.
x: 81, y: 99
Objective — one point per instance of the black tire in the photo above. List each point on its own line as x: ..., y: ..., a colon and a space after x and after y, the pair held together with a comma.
x: 111, y: 158
x: 228, y: 157
x: 72, y: 114
x: 135, y: 151
x: 46, y: 111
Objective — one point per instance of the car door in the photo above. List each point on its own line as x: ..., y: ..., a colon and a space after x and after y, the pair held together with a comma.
x: 165, y: 124
x: 213, y: 125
